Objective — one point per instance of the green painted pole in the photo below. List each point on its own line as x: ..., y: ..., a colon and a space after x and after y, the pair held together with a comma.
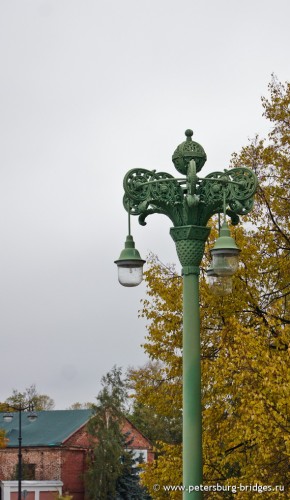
x: 192, y: 412
x: 190, y: 244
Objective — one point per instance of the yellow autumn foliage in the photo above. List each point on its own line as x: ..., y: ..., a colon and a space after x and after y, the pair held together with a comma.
x: 3, y: 439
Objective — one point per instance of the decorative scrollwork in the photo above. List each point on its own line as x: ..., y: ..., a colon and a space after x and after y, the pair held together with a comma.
x: 191, y: 201
x: 242, y: 207
x: 131, y: 205
x: 166, y: 189
x: 148, y: 192
x: 150, y: 211
x: 213, y: 188
x: 235, y: 219
x: 245, y: 183
x: 233, y: 188
x: 136, y: 183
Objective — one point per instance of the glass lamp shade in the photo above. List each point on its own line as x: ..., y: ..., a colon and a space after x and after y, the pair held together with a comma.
x: 130, y: 265
x: 219, y: 285
x: 130, y: 275
x: 8, y: 417
x: 225, y: 253
x: 225, y: 262
x: 32, y: 417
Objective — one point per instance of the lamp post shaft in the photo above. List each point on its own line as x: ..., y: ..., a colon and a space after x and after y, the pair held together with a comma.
x: 190, y: 244
x: 19, y: 455
x: 192, y: 414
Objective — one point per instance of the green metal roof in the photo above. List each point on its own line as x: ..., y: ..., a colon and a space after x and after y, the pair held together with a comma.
x: 51, y: 428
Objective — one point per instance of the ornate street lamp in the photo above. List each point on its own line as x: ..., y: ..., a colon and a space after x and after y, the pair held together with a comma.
x: 190, y: 202
x: 8, y: 417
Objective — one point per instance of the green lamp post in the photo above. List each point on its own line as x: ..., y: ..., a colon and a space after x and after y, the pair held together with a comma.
x: 190, y: 202
x: 8, y: 417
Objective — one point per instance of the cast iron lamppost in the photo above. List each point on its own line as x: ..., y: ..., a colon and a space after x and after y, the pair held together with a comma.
x: 189, y: 202
x: 8, y: 417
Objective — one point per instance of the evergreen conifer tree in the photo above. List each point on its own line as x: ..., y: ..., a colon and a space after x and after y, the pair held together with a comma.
x: 112, y: 473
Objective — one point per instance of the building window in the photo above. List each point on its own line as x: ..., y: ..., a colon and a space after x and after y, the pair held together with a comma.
x: 28, y: 472
x: 140, y: 456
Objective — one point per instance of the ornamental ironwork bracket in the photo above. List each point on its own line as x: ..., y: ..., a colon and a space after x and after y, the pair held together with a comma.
x: 190, y: 200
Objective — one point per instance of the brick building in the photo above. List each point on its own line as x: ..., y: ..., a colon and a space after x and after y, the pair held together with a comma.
x: 54, y: 448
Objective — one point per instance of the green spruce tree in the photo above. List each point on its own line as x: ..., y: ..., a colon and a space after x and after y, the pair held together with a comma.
x: 111, y: 470
x: 128, y: 485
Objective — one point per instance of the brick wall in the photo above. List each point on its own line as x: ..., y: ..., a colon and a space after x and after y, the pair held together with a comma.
x: 73, y: 467
x: 65, y: 465
x: 78, y: 439
x: 47, y: 461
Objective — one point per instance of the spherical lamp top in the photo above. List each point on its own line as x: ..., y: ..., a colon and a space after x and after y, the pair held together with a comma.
x: 186, y: 151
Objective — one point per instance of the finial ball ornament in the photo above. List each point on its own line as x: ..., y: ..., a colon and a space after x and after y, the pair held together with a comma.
x: 186, y: 151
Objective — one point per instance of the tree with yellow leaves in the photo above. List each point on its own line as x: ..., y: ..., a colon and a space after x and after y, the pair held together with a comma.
x: 3, y: 439
x: 245, y: 339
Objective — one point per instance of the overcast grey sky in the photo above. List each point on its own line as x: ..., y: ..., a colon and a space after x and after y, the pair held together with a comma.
x: 90, y: 89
